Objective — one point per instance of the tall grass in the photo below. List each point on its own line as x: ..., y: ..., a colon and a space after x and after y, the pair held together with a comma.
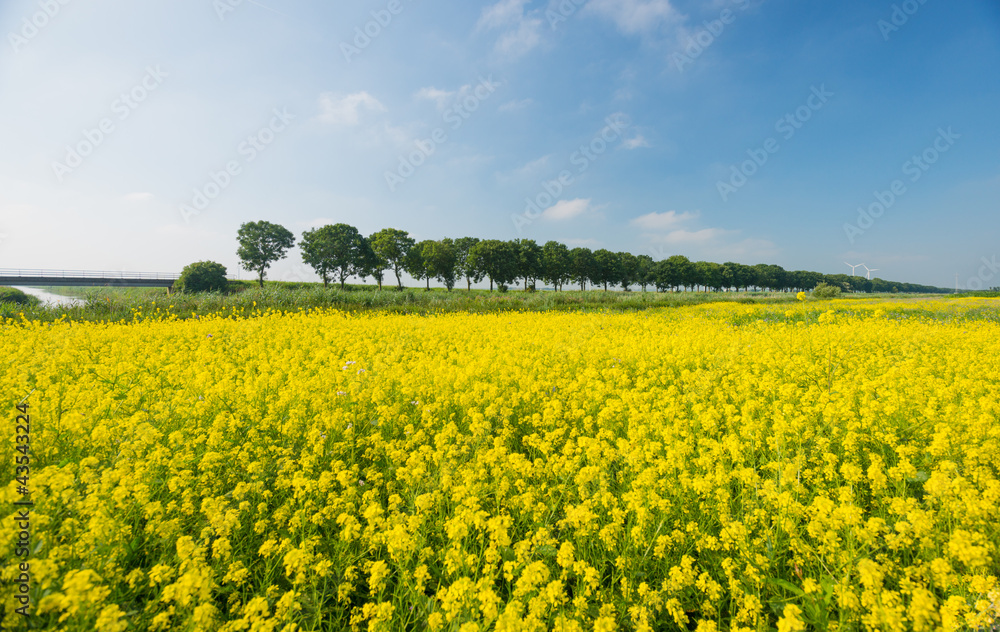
x: 14, y: 296
x: 126, y: 304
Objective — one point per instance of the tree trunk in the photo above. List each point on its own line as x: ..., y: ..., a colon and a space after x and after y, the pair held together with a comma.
x: 260, y: 279
x: 469, y: 282
x: 428, y: 284
x: 491, y: 284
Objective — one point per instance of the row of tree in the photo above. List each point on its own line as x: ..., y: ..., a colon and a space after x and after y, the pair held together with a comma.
x: 338, y: 252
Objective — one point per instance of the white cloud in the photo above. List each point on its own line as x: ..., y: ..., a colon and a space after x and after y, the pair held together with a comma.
x: 516, y: 43
x: 665, y: 234
x: 662, y: 221
x: 337, y: 110
x: 581, y: 243
x: 714, y: 244
x: 534, y: 166
x: 755, y: 250
x: 530, y: 169
x: 445, y: 98
x: 394, y: 135
x: 566, y: 209
x: 503, y: 13
x: 510, y: 106
x: 440, y: 97
x: 696, y: 237
x: 137, y: 197
x: 521, y: 33
x: 634, y: 17
x: 635, y: 143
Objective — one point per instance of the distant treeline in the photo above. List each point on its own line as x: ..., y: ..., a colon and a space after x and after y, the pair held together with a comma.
x: 338, y: 252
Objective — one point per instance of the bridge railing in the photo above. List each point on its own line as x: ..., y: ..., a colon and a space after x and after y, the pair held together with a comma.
x: 87, y: 274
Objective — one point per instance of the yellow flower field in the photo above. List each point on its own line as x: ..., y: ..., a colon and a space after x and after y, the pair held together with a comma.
x: 722, y: 467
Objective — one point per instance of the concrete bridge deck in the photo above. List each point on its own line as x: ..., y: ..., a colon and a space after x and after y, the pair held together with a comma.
x: 89, y: 278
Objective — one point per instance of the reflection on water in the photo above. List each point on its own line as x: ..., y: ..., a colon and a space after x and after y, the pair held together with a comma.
x: 52, y: 299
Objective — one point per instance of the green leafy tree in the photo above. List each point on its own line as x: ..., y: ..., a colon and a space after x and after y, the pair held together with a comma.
x: 673, y: 272
x: 506, y: 262
x: 337, y: 250
x: 261, y: 244
x: 555, y: 264
x: 202, y: 276
x: 606, y: 268
x: 714, y: 276
x: 627, y: 270
x: 734, y: 275
x: 529, y: 255
x: 708, y: 275
x: 497, y: 259
x: 805, y: 280
x: 645, y: 267
x: 416, y: 263
x: 771, y: 277
x: 581, y: 266
x: 661, y: 276
x: 392, y: 246
x: 463, y: 246
x: 441, y: 261
x: 743, y: 275
x: 373, y: 263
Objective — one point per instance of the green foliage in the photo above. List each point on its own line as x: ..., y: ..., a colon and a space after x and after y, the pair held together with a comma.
x: 392, y: 246
x: 441, y: 261
x: 581, y: 266
x: 498, y: 260
x: 339, y: 250
x: 529, y: 260
x: 606, y: 268
x: 645, y: 271
x: 627, y: 270
x: 202, y: 276
x: 463, y: 246
x: 555, y: 264
x: 415, y: 264
x: 371, y: 263
x: 14, y: 296
x: 673, y: 272
x: 825, y: 290
x: 246, y: 297
x: 261, y: 244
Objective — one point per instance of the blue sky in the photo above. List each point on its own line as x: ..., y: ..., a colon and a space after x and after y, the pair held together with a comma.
x: 744, y: 130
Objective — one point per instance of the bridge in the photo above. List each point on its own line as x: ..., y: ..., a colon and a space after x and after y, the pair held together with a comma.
x: 91, y: 278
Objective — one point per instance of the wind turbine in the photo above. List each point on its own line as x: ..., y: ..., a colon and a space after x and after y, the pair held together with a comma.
x: 853, y: 268
x: 869, y: 271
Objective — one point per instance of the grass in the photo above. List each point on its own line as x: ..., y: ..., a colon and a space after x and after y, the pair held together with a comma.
x: 13, y: 297
x: 126, y: 304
